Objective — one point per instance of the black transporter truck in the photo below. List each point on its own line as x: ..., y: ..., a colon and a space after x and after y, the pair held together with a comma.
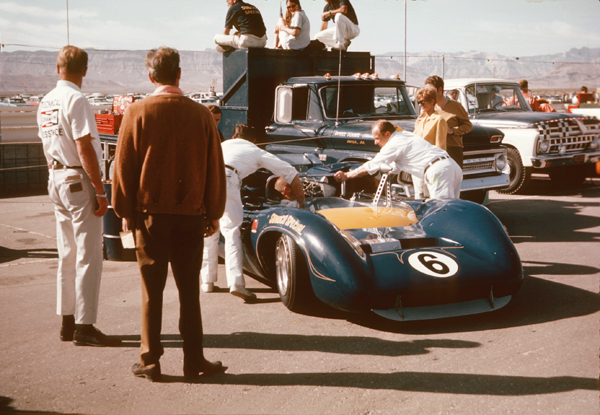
x: 318, y: 108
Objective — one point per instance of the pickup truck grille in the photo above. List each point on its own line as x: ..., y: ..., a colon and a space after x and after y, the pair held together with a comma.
x: 479, y: 165
x: 567, y: 133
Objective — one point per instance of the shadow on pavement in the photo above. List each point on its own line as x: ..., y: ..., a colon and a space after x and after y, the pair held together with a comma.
x: 531, y: 220
x: 7, y: 408
x: 453, y: 383
x: 7, y: 254
x: 538, y: 301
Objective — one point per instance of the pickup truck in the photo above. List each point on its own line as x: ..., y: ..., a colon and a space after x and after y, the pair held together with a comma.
x: 314, y: 110
x: 564, y: 146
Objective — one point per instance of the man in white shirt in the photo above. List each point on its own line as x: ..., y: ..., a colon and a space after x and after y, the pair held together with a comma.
x: 342, y: 13
x: 71, y: 143
x: 242, y: 158
x: 412, y: 154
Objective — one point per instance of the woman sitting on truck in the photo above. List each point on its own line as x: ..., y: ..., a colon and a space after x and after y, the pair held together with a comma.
x: 432, y: 127
x: 293, y: 31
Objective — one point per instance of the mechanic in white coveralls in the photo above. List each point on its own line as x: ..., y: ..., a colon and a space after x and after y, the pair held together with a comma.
x: 242, y: 158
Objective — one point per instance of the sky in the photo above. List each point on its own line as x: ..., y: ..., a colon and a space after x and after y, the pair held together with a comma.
x: 514, y: 28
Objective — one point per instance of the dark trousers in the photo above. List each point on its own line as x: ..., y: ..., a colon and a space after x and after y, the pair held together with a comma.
x: 456, y: 153
x: 179, y: 239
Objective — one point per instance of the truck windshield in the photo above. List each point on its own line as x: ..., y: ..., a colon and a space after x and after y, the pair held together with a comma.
x: 495, y: 97
x: 359, y: 101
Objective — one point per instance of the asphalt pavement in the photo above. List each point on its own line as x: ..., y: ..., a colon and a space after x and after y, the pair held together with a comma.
x: 538, y: 355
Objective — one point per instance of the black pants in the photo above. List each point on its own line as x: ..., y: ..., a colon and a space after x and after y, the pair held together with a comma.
x: 179, y: 239
x: 457, y: 155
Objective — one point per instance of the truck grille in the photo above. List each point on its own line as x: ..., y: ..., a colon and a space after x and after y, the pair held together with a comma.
x: 477, y: 165
x: 567, y: 134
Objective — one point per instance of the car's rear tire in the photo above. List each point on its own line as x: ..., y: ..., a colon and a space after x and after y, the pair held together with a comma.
x: 520, y: 176
x: 293, y: 281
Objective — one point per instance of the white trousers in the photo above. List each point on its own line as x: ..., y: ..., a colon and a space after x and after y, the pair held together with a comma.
x: 238, y: 41
x: 79, y: 243
x: 229, y: 226
x: 443, y: 179
x: 343, y: 31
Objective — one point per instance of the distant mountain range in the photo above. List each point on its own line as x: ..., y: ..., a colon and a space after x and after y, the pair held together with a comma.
x: 124, y: 71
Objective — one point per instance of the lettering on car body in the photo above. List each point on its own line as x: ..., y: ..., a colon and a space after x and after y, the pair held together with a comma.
x: 288, y: 221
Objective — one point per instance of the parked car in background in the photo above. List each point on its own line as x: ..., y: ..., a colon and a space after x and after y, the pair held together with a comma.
x: 14, y: 102
x: 561, y: 145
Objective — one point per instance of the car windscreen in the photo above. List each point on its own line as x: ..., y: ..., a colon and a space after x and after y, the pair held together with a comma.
x: 495, y: 97
x: 357, y: 101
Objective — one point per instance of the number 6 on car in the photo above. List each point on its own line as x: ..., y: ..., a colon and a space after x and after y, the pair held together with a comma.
x: 434, y: 264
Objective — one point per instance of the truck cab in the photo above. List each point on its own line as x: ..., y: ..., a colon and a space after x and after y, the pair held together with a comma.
x: 318, y: 108
x: 561, y: 145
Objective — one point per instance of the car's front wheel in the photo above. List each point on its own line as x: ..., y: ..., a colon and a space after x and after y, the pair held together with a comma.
x: 519, y: 175
x: 293, y: 282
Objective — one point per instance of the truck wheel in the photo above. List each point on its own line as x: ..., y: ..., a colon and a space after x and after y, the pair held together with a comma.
x: 572, y: 175
x: 519, y: 174
x: 293, y: 282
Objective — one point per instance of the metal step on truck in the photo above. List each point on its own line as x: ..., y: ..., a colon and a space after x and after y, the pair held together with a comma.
x: 316, y: 108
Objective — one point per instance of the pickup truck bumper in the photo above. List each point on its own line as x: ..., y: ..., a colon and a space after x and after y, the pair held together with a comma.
x: 541, y: 162
x: 485, y: 182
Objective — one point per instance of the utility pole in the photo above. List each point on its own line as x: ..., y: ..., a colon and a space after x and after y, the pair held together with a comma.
x: 68, y: 42
x: 405, y: 40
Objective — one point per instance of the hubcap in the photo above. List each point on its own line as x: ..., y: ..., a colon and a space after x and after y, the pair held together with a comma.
x: 283, y: 265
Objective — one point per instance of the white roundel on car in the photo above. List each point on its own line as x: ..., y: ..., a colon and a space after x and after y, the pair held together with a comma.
x: 434, y: 264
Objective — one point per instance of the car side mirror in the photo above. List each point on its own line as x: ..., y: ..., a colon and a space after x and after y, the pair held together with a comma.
x: 283, y: 105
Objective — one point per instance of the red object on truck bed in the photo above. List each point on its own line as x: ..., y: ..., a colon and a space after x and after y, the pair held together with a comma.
x: 108, y: 123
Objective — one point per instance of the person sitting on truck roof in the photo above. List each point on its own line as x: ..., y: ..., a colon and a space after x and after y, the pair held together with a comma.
x: 247, y: 20
x: 456, y: 117
x: 242, y: 158
x: 432, y: 127
x: 346, y: 24
x: 293, y: 31
x: 413, y: 155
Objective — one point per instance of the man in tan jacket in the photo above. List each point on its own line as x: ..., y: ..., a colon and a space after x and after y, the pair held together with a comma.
x: 169, y: 186
x: 456, y: 117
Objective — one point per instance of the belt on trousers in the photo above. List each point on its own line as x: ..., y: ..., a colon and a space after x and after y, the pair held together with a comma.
x: 58, y: 165
x: 431, y: 163
x: 233, y: 169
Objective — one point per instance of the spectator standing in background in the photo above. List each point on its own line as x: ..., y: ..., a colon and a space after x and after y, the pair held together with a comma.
x: 456, y: 118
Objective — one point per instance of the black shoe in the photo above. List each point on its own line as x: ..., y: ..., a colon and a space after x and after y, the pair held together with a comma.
x: 150, y: 372
x: 208, y: 368
x: 88, y: 335
x: 68, y: 328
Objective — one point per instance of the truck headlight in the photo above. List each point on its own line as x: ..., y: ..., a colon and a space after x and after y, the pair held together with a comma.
x: 595, y: 143
x: 544, y: 146
x: 562, y: 150
x: 500, y: 162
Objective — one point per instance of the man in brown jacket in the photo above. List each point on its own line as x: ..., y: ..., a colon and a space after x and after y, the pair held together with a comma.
x: 456, y: 117
x: 169, y: 186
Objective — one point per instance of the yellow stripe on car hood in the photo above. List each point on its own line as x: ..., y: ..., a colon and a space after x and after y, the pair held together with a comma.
x: 366, y: 217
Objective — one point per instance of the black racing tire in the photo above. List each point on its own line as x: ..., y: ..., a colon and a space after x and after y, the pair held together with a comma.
x: 571, y: 175
x: 520, y: 176
x: 293, y: 281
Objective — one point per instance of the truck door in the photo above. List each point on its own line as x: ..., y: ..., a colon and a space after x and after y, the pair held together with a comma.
x: 298, y: 119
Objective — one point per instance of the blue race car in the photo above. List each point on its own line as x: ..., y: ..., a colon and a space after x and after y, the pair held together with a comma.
x: 403, y: 259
